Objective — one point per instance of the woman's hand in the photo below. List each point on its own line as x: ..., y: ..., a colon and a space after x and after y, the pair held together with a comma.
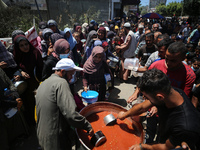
x: 85, y: 89
x: 25, y: 75
x: 50, y: 50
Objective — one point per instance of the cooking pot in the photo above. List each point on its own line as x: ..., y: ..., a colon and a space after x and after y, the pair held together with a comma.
x: 21, y: 86
x: 113, y: 62
x: 118, y: 135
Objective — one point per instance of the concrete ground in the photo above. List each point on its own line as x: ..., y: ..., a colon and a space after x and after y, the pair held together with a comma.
x: 119, y: 95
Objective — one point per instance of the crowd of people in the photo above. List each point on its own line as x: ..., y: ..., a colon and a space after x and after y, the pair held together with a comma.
x: 169, y: 58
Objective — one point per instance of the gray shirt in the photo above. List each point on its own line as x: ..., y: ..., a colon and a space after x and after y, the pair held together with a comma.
x: 55, y: 108
x: 152, y: 58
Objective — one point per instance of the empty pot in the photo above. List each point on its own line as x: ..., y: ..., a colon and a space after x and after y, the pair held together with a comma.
x: 109, y: 120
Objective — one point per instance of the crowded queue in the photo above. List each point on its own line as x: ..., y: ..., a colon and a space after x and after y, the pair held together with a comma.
x: 168, y: 52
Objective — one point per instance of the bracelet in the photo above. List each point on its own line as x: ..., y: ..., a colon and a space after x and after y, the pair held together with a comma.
x: 140, y: 146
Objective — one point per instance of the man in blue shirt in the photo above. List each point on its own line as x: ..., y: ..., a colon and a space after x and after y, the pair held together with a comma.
x: 194, y: 37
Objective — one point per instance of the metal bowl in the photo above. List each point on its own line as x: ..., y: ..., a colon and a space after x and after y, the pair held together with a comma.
x: 98, y: 138
x: 21, y: 86
x: 109, y: 120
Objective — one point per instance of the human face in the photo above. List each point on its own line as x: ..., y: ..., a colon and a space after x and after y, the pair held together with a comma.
x: 97, y: 58
x: 196, y: 65
x: 173, y: 61
x: 68, y: 74
x: 155, y: 27
x: 155, y: 100
x: 149, y: 41
x: 101, y: 35
x: 67, y: 34
x: 140, y: 30
x: 77, y: 37
x: 53, y: 28
x: 24, y: 46
x: 161, y: 52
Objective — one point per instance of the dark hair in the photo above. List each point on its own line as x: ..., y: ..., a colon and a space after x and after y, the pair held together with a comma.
x: 163, y: 36
x: 150, y: 35
x: 177, y: 47
x: 189, y: 45
x: 195, y: 59
x: 154, y: 81
x: 165, y: 42
x: 198, y: 48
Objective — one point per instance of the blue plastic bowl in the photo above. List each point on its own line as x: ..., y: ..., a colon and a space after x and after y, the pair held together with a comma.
x: 90, y: 96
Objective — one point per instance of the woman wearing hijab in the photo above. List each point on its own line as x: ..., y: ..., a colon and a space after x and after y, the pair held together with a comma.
x: 92, y: 36
x: 61, y: 50
x: 102, y: 34
x: 7, y: 62
x: 52, y: 24
x: 54, y: 37
x: 78, y: 29
x: 84, y: 29
x: 30, y: 63
x: 46, y: 33
x: 94, y: 69
x: 72, y: 41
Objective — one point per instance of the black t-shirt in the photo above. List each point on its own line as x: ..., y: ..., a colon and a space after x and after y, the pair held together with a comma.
x: 145, y: 52
x: 179, y: 124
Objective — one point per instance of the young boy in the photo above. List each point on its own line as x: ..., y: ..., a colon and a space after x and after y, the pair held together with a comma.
x: 79, y: 44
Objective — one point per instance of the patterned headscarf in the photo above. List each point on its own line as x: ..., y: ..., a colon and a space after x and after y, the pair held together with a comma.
x: 7, y: 57
x: 15, y: 33
x: 54, y: 37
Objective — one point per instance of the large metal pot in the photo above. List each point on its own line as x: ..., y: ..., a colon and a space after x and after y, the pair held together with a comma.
x: 118, y: 140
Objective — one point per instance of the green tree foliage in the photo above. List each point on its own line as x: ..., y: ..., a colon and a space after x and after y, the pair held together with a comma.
x: 15, y: 17
x: 171, y: 9
x: 143, y: 10
x: 191, y: 7
x: 161, y: 9
x: 91, y: 14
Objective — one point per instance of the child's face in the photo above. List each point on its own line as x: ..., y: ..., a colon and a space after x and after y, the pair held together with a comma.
x: 77, y: 37
x: 196, y: 64
x: 97, y: 58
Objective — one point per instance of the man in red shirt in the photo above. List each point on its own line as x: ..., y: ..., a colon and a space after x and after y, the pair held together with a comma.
x: 180, y: 74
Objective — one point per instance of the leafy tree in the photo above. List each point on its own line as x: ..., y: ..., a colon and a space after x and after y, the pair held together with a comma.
x: 174, y: 8
x: 91, y: 14
x: 15, y: 17
x: 171, y: 9
x: 161, y: 9
x: 191, y: 7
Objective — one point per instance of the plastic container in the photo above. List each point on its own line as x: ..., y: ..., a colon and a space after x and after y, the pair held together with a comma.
x: 113, y: 62
x: 7, y: 94
x: 90, y: 96
x: 131, y: 64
